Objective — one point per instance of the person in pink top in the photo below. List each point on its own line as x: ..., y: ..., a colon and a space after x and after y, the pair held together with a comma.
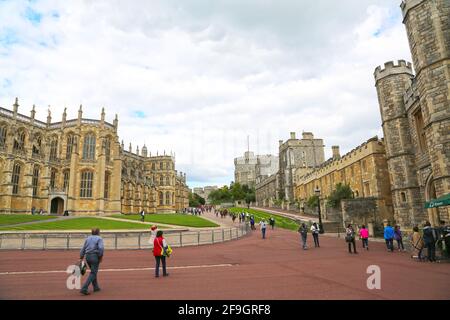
x: 364, y: 235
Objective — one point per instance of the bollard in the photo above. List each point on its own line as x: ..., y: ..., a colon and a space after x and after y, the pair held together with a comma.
x: 67, y: 242
x: 231, y: 234
x: 181, y: 239
x: 115, y: 241
x: 198, y: 238
x: 23, y: 241
x: 223, y: 235
x: 212, y: 235
x: 44, y: 245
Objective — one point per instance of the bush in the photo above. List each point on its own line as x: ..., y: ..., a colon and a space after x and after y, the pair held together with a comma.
x: 342, y: 191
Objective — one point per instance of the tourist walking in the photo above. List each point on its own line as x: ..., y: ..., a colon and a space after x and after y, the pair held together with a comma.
x: 33, y: 210
x: 399, y: 238
x: 417, y: 244
x: 429, y: 240
x: 93, y: 250
x: 252, y: 223
x: 350, y: 238
x: 364, y: 235
x: 159, y: 244
x: 142, y: 215
x: 272, y: 222
x: 303, y: 230
x: 315, y: 233
x: 389, y: 237
x: 263, y: 226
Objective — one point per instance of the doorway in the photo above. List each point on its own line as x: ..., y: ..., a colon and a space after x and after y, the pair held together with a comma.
x: 57, y: 206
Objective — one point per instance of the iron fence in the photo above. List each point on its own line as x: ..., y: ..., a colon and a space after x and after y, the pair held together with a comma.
x: 118, y: 240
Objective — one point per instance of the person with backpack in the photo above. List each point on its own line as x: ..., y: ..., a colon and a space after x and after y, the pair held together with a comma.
x: 142, y: 215
x: 252, y: 223
x: 429, y: 240
x: 159, y: 251
x: 315, y: 233
x: 350, y: 238
x: 399, y: 238
x: 417, y: 243
x: 272, y: 222
x: 389, y: 237
x: 364, y: 235
x: 303, y: 230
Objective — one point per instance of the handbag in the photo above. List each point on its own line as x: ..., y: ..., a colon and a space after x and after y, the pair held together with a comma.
x: 167, y: 251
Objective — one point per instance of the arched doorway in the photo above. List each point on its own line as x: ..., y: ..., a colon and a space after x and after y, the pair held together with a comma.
x: 57, y: 206
x: 430, y: 194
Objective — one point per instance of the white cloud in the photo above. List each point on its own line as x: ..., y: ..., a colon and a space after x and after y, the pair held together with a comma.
x: 205, y: 74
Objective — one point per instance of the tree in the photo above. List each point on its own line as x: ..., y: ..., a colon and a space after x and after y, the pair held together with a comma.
x: 195, y: 200
x: 313, y: 202
x: 342, y: 191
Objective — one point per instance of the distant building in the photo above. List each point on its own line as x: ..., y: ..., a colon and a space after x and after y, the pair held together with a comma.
x: 250, y: 168
x: 294, y: 153
x: 204, y: 192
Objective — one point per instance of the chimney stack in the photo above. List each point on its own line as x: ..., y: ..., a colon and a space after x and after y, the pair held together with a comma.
x: 293, y: 135
x: 336, y: 153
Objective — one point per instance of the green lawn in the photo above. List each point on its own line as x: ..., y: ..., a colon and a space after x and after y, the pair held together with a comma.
x: 6, y: 219
x: 280, y: 222
x: 81, y: 223
x: 174, y: 219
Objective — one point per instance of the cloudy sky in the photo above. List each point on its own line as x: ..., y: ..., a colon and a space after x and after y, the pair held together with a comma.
x: 195, y: 77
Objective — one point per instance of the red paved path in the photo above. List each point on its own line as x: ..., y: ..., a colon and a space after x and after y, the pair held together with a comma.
x: 275, y: 268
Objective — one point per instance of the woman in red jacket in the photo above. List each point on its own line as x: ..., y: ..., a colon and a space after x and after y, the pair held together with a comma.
x: 158, y: 251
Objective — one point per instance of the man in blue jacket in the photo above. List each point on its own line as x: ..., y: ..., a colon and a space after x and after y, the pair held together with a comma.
x: 93, y: 250
x: 389, y: 237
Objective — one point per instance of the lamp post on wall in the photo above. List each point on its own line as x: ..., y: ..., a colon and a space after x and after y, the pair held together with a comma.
x: 317, y: 192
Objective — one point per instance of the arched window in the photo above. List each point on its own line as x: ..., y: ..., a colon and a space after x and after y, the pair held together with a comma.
x: 107, y: 183
x: 15, y: 179
x: 37, y: 145
x: 53, y: 174
x: 153, y: 166
x: 3, y: 132
x: 53, y: 149
x: 19, y: 141
x: 161, y: 165
x: 66, y: 179
x: 167, y: 181
x: 161, y: 180
x: 108, y: 149
x: 87, y: 178
x: 89, y: 147
x: 161, y: 198
x: 35, y: 180
x: 167, y: 198
x: 70, y: 145
x: 403, y: 196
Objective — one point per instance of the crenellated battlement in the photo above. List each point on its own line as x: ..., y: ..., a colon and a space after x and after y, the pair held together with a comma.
x: 406, y: 5
x: 390, y: 68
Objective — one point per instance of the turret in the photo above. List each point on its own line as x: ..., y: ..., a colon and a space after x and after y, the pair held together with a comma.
x: 336, y: 153
x: 16, y: 107
x: 428, y: 30
x: 391, y: 83
x: 33, y: 112
x: 144, y: 151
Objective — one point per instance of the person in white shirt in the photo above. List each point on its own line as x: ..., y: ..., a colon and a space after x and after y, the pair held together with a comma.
x: 143, y: 215
x: 315, y: 233
x: 263, y: 226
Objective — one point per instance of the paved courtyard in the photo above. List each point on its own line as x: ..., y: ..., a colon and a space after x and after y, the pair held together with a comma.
x: 250, y: 268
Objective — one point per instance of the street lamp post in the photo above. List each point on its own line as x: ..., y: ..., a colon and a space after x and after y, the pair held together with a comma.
x: 317, y: 192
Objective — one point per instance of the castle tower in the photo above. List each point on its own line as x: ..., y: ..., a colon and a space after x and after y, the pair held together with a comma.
x: 391, y: 83
x: 428, y: 28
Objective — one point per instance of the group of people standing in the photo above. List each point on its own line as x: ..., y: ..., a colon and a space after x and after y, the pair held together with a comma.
x: 315, y: 230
